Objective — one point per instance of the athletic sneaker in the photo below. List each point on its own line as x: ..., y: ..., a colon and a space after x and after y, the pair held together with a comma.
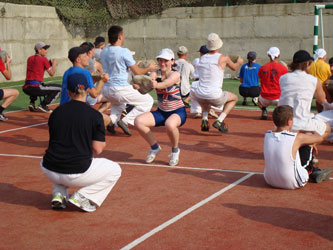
x: 264, y: 115
x: 58, y: 201
x: 3, y: 118
x: 82, y: 202
x: 110, y: 128
x: 204, y: 125
x: 221, y: 126
x: 44, y: 108
x: 124, y: 127
x: 174, y: 158
x: 32, y: 107
x: 213, y: 114
x: 319, y: 175
x: 197, y: 115
x: 255, y: 101
x: 152, y: 154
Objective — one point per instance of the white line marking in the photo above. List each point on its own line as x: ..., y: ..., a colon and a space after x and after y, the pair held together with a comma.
x: 181, y: 215
x: 180, y: 167
x: 151, y: 165
x: 30, y: 126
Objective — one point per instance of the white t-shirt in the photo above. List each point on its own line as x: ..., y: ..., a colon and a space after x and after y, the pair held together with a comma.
x: 210, y: 77
x: 281, y: 170
x: 195, y: 64
x: 297, y: 90
x: 186, y: 71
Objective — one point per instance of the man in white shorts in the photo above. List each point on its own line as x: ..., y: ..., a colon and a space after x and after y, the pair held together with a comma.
x: 269, y: 75
x: 209, y: 89
x: 297, y: 90
x: 116, y: 62
x: 283, y: 167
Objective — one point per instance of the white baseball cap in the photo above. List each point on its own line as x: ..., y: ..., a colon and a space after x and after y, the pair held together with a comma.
x: 273, y: 52
x: 214, y: 42
x: 166, y: 54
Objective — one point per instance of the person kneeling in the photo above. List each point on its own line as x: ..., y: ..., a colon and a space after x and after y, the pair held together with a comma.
x: 283, y: 168
x: 76, y: 131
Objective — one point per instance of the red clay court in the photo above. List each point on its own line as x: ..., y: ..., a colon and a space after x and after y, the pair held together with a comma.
x: 216, y: 198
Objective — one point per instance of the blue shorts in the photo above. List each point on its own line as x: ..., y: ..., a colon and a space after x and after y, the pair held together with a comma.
x: 161, y: 116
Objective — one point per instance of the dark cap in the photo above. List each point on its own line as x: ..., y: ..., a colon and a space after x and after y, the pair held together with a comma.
x: 302, y: 56
x: 99, y: 40
x: 252, y: 55
x: 74, y: 52
x: 203, y: 49
x: 77, y: 81
x: 88, y: 45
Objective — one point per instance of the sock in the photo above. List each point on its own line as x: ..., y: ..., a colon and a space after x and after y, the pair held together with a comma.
x: 222, y: 116
x: 175, y: 150
x: 155, y: 146
x: 264, y: 108
x: 205, y: 115
x: 1, y: 109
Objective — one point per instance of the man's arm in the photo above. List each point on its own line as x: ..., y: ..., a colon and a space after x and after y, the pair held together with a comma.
x: 319, y: 93
x: 303, y: 139
x: 94, y: 92
x: 7, y: 73
x: 52, y: 70
x: 142, y: 71
x: 226, y: 61
x: 98, y: 146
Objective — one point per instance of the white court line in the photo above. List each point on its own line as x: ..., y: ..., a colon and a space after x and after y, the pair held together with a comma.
x: 193, y: 168
x: 181, y: 215
x: 15, y: 129
x: 151, y: 165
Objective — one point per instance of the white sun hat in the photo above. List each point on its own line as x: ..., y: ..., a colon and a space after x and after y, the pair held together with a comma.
x: 214, y: 42
x: 273, y: 52
x: 319, y: 53
x: 166, y: 54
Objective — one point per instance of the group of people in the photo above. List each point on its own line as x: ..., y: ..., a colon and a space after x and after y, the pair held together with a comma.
x: 100, y: 74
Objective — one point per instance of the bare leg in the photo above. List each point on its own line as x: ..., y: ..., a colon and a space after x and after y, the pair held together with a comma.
x: 172, y: 124
x: 9, y: 97
x: 143, y: 123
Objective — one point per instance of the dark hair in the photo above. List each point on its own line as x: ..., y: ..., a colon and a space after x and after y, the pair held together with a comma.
x: 301, y: 66
x: 282, y: 114
x: 250, y: 61
x: 113, y: 33
x: 330, y: 62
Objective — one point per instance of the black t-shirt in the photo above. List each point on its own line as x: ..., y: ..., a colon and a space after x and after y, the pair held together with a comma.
x: 72, y: 128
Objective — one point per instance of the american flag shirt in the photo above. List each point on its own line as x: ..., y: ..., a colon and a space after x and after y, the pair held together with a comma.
x: 169, y: 99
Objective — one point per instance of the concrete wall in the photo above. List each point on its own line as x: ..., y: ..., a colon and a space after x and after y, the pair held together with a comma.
x: 242, y: 28
x: 21, y: 26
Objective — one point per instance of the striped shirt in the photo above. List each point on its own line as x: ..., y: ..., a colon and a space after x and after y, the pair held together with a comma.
x: 169, y: 99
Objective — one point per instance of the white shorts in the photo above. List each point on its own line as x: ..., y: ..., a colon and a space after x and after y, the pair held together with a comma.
x: 313, y: 124
x: 326, y: 116
x: 266, y: 102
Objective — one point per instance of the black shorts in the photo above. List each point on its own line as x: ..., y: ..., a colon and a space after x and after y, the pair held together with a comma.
x: 249, y: 92
x: 1, y: 94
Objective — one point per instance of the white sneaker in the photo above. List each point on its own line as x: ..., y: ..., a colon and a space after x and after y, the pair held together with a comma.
x: 82, y: 202
x: 152, y: 154
x: 58, y: 201
x: 174, y: 158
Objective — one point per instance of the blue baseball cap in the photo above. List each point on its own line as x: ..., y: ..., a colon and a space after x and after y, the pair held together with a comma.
x: 77, y: 81
x: 203, y: 49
